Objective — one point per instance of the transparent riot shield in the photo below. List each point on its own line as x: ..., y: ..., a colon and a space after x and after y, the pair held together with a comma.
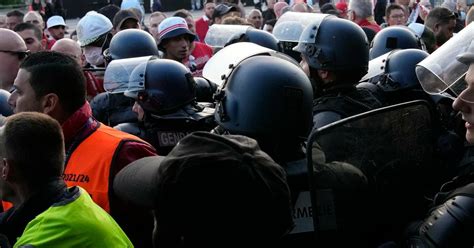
x: 291, y: 24
x: 219, y: 34
x: 371, y: 172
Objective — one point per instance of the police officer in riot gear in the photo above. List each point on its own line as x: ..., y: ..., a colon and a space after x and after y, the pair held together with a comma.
x: 266, y: 96
x: 335, y: 54
x: 256, y: 36
x: 131, y: 43
x: 113, y: 109
x: 164, y: 92
x: 450, y: 221
x: 205, y: 90
x: 395, y: 37
x: 399, y: 81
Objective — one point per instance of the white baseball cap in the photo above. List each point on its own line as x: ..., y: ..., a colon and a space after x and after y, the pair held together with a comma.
x: 55, y: 21
x: 92, y: 26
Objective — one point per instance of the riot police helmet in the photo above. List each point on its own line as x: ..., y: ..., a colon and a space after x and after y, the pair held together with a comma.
x: 131, y: 43
x: 400, y: 70
x: 266, y: 96
x: 256, y: 36
x: 335, y: 44
x: 391, y: 38
x: 205, y: 89
x: 161, y: 86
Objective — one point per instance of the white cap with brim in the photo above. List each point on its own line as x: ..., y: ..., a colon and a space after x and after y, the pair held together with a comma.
x: 91, y: 27
x: 54, y: 21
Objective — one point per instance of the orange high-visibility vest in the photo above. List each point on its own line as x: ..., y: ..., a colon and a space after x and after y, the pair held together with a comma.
x: 89, y: 164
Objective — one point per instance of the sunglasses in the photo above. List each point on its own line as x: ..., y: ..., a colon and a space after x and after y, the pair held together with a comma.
x: 21, y: 54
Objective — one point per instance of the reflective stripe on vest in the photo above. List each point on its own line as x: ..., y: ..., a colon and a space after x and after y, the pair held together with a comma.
x: 89, y: 164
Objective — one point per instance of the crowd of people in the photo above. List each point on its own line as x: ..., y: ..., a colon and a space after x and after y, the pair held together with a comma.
x: 176, y: 132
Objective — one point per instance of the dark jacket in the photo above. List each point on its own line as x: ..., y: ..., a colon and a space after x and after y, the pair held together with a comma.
x: 113, y: 109
x: 14, y: 221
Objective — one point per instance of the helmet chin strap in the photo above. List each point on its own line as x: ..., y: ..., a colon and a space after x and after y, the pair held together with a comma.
x: 319, y: 84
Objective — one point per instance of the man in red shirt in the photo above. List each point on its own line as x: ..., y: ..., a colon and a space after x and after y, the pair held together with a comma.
x: 94, y: 86
x: 362, y: 13
x: 202, y: 24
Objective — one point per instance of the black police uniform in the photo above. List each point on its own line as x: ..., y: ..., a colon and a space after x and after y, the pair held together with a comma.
x: 451, y: 222
x: 113, y: 109
x: 164, y: 132
x: 340, y: 101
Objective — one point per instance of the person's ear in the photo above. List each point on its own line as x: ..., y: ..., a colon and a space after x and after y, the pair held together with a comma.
x: 352, y: 16
x: 50, y: 103
x: 44, y: 44
x: 83, y: 60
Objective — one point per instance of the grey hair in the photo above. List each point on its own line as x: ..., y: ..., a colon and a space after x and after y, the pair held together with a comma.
x: 255, y: 10
x: 362, y: 8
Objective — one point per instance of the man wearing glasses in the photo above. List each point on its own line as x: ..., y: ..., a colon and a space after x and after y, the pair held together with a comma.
x: 395, y: 15
x: 12, y: 51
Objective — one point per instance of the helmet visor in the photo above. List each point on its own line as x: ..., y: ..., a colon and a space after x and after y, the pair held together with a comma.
x: 219, y: 66
x: 118, y: 72
x: 290, y: 25
x: 136, y: 82
x: 218, y: 34
x: 442, y: 72
x: 376, y: 67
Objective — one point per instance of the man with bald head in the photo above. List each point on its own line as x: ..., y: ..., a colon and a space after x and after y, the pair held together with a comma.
x: 12, y: 51
x: 300, y: 7
x: 72, y: 48
x: 69, y: 47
